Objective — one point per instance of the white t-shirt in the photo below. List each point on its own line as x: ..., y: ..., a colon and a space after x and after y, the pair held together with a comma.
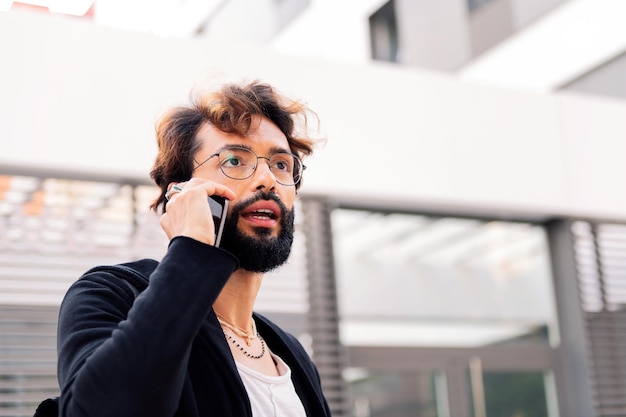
x: 271, y: 396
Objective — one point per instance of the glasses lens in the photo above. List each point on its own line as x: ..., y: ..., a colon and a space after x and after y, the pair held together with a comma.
x: 286, y: 168
x: 237, y: 163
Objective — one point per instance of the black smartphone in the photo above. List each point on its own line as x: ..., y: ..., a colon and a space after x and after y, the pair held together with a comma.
x: 219, y: 208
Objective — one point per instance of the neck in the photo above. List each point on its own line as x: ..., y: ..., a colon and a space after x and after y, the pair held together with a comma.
x: 236, y: 301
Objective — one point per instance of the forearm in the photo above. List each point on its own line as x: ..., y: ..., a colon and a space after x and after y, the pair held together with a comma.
x: 120, y: 360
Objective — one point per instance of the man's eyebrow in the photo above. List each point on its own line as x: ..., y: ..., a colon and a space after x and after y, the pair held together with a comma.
x: 273, y: 150
x: 231, y: 146
x: 277, y: 149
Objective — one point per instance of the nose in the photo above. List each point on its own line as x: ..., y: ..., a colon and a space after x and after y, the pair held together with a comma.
x: 263, y: 176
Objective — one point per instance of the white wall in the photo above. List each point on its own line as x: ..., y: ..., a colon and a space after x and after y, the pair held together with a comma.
x: 526, y: 11
x: 330, y: 30
x: 606, y: 80
x: 433, y: 34
x: 79, y: 97
x: 253, y: 21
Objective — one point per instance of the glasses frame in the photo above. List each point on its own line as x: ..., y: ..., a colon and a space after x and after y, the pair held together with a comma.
x: 256, y: 164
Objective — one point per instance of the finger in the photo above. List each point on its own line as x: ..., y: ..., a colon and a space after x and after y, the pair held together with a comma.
x: 223, y: 191
x: 210, y: 187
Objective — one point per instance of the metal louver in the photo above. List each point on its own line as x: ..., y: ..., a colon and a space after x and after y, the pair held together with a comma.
x: 27, y: 358
x: 600, y: 250
x: 328, y: 353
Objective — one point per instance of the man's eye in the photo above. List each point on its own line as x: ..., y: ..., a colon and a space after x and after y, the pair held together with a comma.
x: 282, y: 165
x: 231, y: 161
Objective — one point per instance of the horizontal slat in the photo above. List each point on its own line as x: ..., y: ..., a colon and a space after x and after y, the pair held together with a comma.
x: 40, y: 368
x: 39, y: 384
x: 26, y: 410
x: 31, y: 397
x: 14, y: 355
x: 29, y: 339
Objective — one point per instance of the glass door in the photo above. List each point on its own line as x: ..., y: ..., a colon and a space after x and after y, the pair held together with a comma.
x: 397, y: 393
x: 510, y: 393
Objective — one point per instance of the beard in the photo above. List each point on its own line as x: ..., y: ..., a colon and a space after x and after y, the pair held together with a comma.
x: 260, y: 252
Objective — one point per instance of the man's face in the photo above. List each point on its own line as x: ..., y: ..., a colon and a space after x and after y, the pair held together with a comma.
x: 260, y: 221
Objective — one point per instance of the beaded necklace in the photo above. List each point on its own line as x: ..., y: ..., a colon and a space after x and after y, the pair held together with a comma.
x: 244, y: 351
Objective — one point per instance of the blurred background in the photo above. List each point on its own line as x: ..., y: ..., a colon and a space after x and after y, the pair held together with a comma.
x: 461, y: 236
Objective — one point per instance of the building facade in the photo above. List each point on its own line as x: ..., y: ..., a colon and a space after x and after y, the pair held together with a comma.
x: 461, y: 236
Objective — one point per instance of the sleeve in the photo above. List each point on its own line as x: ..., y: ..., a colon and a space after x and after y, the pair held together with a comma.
x: 120, y: 356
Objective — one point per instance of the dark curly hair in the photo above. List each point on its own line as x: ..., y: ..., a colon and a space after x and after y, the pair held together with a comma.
x: 231, y: 109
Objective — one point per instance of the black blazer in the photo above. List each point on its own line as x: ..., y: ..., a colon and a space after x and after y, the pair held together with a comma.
x: 141, y: 339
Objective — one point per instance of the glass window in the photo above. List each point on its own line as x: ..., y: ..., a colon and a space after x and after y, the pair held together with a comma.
x: 414, y: 280
x: 384, y: 33
x: 397, y: 393
x: 514, y: 394
x: 474, y: 4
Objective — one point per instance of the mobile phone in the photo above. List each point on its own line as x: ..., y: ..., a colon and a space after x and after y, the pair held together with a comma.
x: 219, y: 208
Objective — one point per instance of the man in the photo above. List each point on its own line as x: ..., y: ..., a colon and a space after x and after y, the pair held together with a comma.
x: 179, y: 337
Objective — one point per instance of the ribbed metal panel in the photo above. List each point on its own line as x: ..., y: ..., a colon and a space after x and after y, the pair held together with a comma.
x: 27, y: 358
x: 328, y: 353
x: 601, y: 267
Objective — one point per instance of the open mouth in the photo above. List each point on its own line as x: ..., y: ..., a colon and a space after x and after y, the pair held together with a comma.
x: 264, y: 212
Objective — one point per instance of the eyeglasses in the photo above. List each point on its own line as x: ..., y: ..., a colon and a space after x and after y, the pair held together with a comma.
x: 240, y: 163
